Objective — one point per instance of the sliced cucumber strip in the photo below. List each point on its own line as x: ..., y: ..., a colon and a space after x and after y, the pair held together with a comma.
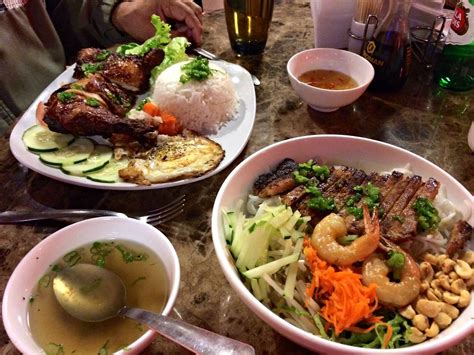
x: 97, y: 160
x: 109, y: 173
x: 77, y: 151
x: 40, y: 139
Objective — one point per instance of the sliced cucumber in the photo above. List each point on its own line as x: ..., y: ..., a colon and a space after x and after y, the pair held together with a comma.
x: 109, y: 173
x: 40, y: 139
x: 77, y: 151
x: 97, y: 160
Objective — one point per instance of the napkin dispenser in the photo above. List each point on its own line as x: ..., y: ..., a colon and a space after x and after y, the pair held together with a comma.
x: 331, y: 20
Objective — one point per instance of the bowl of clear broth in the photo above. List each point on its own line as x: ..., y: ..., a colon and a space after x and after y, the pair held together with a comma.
x: 138, y: 253
x: 327, y: 78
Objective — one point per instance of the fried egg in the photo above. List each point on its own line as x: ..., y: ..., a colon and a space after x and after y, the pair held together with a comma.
x: 174, y: 158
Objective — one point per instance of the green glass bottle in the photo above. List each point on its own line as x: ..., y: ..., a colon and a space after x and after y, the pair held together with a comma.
x: 455, y: 68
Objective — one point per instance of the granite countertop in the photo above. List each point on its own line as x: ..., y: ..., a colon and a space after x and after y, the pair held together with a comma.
x: 421, y: 117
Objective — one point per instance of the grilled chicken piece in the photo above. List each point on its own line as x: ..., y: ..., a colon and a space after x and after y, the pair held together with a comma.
x: 460, y: 234
x: 278, y: 181
x: 119, y: 100
x: 84, y: 114
x: 131, y: 72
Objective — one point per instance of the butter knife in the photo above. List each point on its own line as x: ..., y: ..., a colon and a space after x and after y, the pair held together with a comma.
x: 212, y: 56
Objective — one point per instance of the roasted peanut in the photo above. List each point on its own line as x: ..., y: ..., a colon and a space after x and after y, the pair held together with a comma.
x: 464, y: 298
x: 444, y: 282
x: 424, y: 286
x: 441, y: 258
x: 408, y: 312
x: 415, y: 336
x: 421, y: 322
x: 450, y: 310
x: 427, y: 271
x: 443, y: 320
x: 468, y: 257
x: 450, y: 298
x: 448, y: 265
x: 430, y: 258
x: 431, y: 296
x: 432, y: 331
x: 457, y: 286
x: 428, y: 308
x: 463, y: 269
x: 453, y: 276
x: 438, y: 274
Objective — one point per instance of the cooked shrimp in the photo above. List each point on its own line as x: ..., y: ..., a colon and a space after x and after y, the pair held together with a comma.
x: 332, y: 227
x: 390, y: 293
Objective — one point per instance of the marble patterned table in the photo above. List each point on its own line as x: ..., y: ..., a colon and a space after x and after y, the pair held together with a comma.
x: 421, y: 117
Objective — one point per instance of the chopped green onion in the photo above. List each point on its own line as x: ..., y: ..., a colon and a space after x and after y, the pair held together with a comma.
x: 66, y: 96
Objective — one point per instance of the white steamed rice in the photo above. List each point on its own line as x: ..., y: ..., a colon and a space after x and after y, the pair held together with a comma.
x: 201, y: 106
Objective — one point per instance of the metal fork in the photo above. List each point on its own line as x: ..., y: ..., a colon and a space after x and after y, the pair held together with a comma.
x: 155, y: 217
x: 212, y: 56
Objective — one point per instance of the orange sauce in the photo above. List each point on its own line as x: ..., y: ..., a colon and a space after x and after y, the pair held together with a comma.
x: 328, y: 79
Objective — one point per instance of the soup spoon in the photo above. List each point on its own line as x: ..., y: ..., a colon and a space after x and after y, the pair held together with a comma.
x: 93, y: 294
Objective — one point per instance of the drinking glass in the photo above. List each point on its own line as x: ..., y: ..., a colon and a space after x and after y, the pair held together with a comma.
x: 247, y: 24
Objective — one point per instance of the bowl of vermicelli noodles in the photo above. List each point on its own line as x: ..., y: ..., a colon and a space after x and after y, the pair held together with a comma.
x: 346, y: 244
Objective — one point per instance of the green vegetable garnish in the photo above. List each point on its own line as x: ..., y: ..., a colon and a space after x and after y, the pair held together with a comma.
x: 54, y: 349
x: 66, y: 96
x: 357, y: 212
x: 347, y: 239
x: 129, y: 255
x: 72, y: 258
x: 90, y: 101
x: 318, y: 201
x: 175, y: 52
x: 321, y: 172
x: 103, y: 349
x: 103, y: 55
x: 252, y: 227
x: 371, y: 196
x: 426, y: 215
x: 99, y: 251
x: 197, y: 69
x: 56, y: 268
x: 91, y: 68
x: 142, y: 103
x: 44, y: 281
x: 161, y: 38
x: 398, y: 218
x: 396, y: 261
x: 77, y: 87
x: 300, y: 179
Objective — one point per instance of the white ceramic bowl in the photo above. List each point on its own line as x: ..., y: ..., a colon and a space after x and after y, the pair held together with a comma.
x: 329, y: 59
x: 38, y: 260
x: 357, y: 152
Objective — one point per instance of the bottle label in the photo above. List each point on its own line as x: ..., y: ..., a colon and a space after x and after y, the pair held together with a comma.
x: 461, y: 31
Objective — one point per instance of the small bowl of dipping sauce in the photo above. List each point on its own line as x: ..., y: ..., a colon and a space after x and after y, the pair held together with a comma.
x: 328, y: 78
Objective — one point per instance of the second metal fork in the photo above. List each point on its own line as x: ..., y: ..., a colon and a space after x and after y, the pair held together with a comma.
x: 155, y: 217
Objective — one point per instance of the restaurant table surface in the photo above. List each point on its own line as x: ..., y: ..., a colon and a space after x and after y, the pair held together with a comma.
x: 421, y: 117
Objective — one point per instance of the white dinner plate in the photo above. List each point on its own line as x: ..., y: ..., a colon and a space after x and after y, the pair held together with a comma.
x: 233, y: 137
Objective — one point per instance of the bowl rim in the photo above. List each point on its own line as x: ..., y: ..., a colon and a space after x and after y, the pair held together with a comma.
x: 287, y: 329
x: 48, y: 241
x: 351, y: 54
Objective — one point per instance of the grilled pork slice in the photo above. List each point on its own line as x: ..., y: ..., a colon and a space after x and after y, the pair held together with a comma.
x: 84, y: 114
x: 278, y: 181
x: 131, y: 72
x: 460, y: 234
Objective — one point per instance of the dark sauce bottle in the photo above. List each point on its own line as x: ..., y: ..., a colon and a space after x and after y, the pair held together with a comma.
x: 390, y: 49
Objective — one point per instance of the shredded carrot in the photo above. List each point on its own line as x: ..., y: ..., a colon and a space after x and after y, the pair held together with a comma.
x: 346, y: 300
x: 151, y: 108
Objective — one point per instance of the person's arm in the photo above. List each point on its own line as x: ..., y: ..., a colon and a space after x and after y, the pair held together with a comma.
x: 185, y: 13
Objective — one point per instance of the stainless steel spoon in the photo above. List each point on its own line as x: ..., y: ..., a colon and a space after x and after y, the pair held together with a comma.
x: 93, y: 294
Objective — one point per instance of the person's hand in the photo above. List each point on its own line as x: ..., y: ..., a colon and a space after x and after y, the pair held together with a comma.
x: 133, y: 18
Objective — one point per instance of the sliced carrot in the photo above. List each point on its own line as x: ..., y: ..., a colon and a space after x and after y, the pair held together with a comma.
x: 170, y: 125
x: 151, y: 108
x: 40, y: 112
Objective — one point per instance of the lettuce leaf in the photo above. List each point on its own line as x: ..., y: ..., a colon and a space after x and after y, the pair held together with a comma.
x: 175, y: 52
x: 161, y: 38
